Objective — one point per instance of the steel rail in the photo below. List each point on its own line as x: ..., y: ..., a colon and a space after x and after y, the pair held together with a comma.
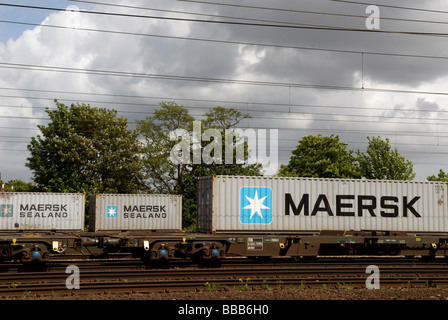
x: 136, y: 277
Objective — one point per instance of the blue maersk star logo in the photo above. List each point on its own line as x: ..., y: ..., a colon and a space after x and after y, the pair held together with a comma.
x: 6, y: 210
x: 256, y: 205
x: 111, y: 211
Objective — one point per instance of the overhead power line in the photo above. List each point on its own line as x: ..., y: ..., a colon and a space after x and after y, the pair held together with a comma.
x: 35, y: 67
x: 290, y: 116
x: 245, y: 104
x: 258, y: 8
x: 271, y: 25
x: 228, y: 41
x: 392, y: 6
x: 288, y: 108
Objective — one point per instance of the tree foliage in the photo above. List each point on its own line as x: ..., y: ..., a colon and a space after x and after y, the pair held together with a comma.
x: 221, y: 119
x: 383, y: 163
x: 321, y: 157
x: 165, y: 176
x: 86, y: 149
x: 18, y: 186
x: 162, y: 175
x: 441, y: 176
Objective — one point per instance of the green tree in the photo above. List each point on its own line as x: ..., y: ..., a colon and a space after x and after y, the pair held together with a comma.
x: 441, y: 176
x: 220, y: 119
x: 382, y: 163
x: 223, y: 118
x: 18, y: 186
x: 321, y: 157
x: 86, y: 149
x: 163, y: 175
x: 166, y: 176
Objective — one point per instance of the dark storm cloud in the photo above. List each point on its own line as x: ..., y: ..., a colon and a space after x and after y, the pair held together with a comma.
x: 420, y: 109
x: 308, y: 67
x: 301, y: 110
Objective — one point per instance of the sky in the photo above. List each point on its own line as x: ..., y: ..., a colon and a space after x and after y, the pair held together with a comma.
x: 286, y: 63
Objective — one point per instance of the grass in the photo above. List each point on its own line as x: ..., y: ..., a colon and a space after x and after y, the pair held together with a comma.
x: 212, y: 287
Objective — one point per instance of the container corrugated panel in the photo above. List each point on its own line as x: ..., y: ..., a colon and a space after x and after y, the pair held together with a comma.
x: 273, y: 204
x: 42, y: 211
x: 132, y: 212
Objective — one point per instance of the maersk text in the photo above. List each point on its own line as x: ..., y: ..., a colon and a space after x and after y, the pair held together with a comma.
x: 385, y: 206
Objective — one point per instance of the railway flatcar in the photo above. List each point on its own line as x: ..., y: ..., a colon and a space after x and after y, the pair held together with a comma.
x: 241, y: 216
x: 308, y: 217
x: 34, y: 218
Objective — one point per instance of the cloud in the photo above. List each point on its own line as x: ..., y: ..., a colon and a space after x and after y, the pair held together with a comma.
x: 296, y: 111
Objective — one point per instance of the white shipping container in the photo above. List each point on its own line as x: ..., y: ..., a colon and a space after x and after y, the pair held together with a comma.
x: 274, y: 204
x: 42, y: 211
x: 131, y: 212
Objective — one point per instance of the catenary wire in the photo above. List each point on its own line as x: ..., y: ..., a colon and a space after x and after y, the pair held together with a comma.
x: 288, y: 114
x: 255, y: 7
x: 35, y: 67
x: 227, y: 41
x: 392, y: 6
x: 242, y: 103
x: 238, y: 23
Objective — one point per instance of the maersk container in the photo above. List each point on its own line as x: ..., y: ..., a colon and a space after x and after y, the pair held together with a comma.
x: 42, y: 211
x: 133, y: 212
x: 295, y: 205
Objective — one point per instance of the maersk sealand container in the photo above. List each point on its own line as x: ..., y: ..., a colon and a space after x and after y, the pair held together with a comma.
x: 135, y: 212
x: 41, y: 211
x: 295, y: 205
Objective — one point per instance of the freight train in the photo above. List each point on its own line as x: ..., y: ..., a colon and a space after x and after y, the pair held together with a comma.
x: 238, y: 216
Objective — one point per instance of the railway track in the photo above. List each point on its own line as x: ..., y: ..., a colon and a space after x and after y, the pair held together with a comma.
x: 232, y: 274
